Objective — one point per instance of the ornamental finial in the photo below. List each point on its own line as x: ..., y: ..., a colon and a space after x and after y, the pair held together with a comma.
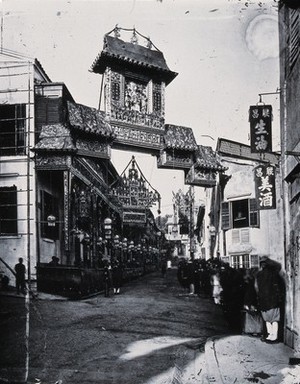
x: 134, y: 38
x: 117, y: 31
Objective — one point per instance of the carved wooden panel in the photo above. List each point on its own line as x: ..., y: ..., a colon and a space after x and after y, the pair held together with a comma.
x: 52, y: 162
x: 134, y: 136
x: 133, y: 101
x: 175, y: 159
x: 92, y: 147
x: 201, y: 177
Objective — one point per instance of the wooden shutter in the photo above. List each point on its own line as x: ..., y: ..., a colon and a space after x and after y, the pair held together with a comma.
x: 253, y: 213
x: 293, y: 37
x: 226, y: 216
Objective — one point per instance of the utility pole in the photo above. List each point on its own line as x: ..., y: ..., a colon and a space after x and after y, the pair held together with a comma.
x: 191, y: 231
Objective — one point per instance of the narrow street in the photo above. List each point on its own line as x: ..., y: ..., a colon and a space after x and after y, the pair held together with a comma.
x: 153, y: 332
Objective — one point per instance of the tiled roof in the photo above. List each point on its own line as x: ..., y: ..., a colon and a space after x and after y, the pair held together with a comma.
x: 206, y: 158
x: 235, y: 149
x: 55, y: 137
x: 89, y: 120
x: 178, y: 137
x: 115, y: 49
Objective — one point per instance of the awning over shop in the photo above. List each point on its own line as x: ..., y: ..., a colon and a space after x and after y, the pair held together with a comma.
x: 86, y: 172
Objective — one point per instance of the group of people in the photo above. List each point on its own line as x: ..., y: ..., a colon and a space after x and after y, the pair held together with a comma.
x: 113, y: 276
x: 252, y: 300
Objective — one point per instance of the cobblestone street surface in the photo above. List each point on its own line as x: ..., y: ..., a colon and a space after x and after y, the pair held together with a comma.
x: 152, y: 333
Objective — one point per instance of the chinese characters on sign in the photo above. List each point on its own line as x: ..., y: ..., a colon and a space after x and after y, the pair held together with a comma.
x: 265, y: 186
x: 260, y: 117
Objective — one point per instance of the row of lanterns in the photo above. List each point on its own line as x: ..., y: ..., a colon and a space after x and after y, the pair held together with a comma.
x: 125, y: 245
x: 113, y: 247
x: 122, y: 244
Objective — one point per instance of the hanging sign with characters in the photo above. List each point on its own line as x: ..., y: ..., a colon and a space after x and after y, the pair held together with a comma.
x: 260, y: 117
x: 265, y: 186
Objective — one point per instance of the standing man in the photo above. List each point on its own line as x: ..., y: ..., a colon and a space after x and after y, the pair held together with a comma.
x: 270, y: 290
x: 107, y: 278
x: 20, y: 276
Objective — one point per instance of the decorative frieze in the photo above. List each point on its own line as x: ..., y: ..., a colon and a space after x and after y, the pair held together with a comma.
x: 201, y: 177
x: 174, y: 159
x: 66, y: 209
x: 149, y: 120
x: 97, y: 148
x: 52, y: 162
x: 135, y: 136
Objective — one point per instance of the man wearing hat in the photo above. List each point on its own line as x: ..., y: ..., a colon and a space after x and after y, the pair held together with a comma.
x: 270, y: 294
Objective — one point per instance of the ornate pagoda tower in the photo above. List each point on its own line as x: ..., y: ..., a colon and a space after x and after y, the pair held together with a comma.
x: 133, y: 90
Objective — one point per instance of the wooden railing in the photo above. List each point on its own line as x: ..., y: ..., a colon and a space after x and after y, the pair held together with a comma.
x: 75, y: 282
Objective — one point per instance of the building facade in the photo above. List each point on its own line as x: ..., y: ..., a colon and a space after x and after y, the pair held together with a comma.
x: 18, y: 207
x: 289, y: 39
x: 243, y: 230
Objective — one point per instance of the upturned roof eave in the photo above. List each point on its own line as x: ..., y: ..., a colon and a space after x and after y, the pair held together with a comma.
x: 106, y: 59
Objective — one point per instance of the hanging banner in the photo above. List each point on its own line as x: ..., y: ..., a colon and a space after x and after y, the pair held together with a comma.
x: 265, y: 186
x: 260, y: 118
x: 131, y: 217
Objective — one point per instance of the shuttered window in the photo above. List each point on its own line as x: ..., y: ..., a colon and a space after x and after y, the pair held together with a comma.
x: 240, y: 214
x: 8, y: 211
x: 240, y: 236
x: 245, y: 235
x: 293, y: 37
x: 235, y: 236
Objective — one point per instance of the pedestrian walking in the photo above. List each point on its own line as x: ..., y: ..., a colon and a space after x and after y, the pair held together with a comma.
x: 197, y: 273
x: 117, y: 277
x: 20, y: 276
x: 216, y: 287
x: 182, y: 274
x: 191, y: 276
x: 270, y: 290
x: 169, y: 264
x: 252, y: 319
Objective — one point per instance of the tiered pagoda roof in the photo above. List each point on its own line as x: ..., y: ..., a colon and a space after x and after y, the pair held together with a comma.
x: 117, y: 52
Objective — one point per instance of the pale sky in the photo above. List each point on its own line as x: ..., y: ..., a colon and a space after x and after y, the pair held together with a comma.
x: 225, y: 53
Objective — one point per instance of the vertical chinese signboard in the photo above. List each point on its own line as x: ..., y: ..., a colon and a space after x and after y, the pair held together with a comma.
x: 260, y: 117
x: 265, y: 186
